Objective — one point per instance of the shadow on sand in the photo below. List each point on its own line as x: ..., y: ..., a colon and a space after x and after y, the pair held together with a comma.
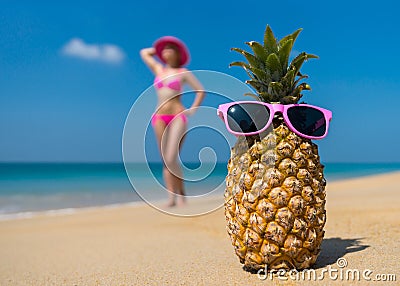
x: 334, y: 248
x: 331, y: 250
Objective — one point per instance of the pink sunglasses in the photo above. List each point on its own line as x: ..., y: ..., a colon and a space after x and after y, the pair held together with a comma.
x: 253, y: 117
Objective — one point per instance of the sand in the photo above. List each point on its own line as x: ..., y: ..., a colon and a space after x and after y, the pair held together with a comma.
x: 138, y: 245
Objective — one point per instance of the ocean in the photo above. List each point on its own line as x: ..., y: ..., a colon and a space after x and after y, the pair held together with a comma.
x: 26, y: 188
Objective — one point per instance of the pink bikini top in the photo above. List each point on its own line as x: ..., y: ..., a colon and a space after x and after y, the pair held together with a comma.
x: 174, y: 84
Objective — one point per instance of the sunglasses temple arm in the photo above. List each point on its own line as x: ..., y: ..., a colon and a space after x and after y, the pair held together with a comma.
x: 220, y: 114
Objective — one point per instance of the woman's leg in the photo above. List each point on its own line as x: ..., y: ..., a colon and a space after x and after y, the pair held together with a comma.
x: 175, y: 132
x: 160, y: 132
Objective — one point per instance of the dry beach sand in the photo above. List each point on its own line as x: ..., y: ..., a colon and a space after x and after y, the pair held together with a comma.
x: 138, y: 245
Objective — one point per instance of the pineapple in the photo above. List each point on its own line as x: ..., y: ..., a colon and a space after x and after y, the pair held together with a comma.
x: 275, y: 187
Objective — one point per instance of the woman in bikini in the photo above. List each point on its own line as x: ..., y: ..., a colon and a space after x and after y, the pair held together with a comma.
x: 170, y: 118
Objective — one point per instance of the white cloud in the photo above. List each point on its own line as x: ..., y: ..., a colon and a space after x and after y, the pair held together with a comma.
x: 106, y: 53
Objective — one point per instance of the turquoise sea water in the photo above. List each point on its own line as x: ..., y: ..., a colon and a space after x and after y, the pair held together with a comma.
x: 27, y: 187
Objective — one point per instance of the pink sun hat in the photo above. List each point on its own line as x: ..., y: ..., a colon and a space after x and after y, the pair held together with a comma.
x: 183, y: 50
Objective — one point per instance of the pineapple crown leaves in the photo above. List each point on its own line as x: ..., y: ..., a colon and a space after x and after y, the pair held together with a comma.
x: 271, y: 75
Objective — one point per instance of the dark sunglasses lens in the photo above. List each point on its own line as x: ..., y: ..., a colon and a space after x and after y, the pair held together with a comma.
x: 307, y: 120
x: 247, y: 117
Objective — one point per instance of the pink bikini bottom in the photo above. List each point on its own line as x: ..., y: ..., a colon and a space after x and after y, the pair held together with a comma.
x: 167, y: 118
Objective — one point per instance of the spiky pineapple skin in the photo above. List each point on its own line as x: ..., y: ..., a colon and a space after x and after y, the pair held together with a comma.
x: 275, y: 201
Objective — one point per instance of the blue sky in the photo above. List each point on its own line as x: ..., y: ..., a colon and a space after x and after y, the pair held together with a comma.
x: 55, y: 106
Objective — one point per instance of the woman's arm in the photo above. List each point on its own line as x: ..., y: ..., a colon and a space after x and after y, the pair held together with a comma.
x: 147, y: 55
x: 196, y: 86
